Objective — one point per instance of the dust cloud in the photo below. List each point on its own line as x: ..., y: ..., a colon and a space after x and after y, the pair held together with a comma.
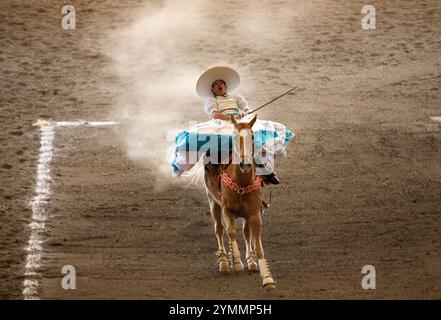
x: 159, y: 57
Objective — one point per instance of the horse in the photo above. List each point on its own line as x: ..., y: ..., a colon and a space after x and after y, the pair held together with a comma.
x: 233, y: 191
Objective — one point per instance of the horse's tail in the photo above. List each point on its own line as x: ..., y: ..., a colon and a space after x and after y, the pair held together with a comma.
x: 195, y: 176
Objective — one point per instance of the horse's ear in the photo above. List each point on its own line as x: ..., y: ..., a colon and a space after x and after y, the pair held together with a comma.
x: 253, y: 121
x: 233, y: 120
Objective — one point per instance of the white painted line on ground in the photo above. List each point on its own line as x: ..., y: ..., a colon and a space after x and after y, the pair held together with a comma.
x: 40, y: 202
x: 84, y: 123
x: 436, y: 119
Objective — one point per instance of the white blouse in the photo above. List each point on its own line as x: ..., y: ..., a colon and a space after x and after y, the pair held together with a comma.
x: 228, y: 104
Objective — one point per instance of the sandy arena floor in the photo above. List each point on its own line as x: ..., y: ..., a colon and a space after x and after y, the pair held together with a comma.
x: 360, y: 184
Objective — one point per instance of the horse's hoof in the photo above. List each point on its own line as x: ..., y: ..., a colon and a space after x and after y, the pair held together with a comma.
x: 238, y: 266
x: 269, y: 286
x: 269, y: 283
x: 252, y: 267
x: 223, y: 267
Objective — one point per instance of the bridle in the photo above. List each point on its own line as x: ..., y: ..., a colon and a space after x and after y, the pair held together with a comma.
x: 226, y: 180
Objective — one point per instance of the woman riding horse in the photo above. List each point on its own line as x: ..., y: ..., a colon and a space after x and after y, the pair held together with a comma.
x: 233, y: 184
x: 221, y: 105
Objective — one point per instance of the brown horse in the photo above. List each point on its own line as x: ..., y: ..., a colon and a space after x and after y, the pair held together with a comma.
x: 233, y: 191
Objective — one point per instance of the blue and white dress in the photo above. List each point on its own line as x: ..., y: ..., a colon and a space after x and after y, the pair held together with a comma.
x: 213, y: 139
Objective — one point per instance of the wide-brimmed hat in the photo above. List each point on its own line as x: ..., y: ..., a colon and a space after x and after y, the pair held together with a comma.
x: 227, y: 74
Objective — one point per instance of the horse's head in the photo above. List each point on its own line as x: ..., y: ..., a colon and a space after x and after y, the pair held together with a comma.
x: 243, y: 144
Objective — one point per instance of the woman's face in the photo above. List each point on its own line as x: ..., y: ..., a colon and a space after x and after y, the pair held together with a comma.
x: 219, y: 88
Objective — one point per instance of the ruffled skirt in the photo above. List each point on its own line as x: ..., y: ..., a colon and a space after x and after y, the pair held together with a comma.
x: 214, y: 139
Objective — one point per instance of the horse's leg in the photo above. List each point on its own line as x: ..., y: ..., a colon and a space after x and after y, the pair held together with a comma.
x: 251, y: 263
x: 231, y: 231
x: 216, y: 215
x: 255, y: 222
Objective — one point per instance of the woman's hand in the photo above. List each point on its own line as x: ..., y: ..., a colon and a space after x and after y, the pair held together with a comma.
x: 218, y: 115
x: 245, y: 113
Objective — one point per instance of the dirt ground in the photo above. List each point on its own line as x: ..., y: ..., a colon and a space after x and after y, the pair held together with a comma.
x: 360, y: 184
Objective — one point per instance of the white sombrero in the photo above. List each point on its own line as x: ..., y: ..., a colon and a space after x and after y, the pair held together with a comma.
x: 229, y: 75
